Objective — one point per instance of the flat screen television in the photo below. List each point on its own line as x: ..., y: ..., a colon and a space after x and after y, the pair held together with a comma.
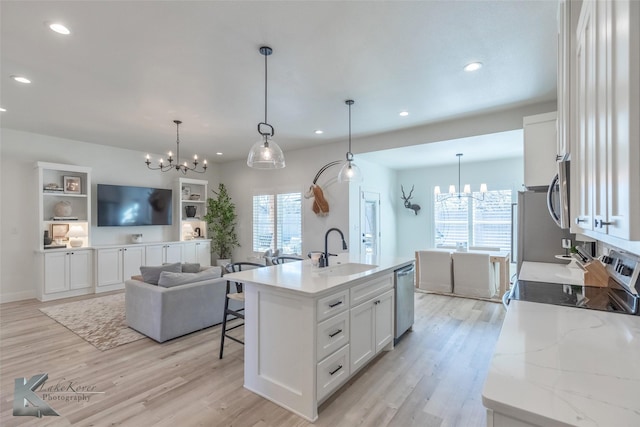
x: 121, y: 205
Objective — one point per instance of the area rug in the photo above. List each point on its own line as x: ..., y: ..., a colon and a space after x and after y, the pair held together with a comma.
x: 100, y: 321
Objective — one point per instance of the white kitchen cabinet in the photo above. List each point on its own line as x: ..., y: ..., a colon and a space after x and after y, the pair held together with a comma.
x: 163, y: 253
x: 371, y: 328
x: 115, y: 265
x: 197, y: 251
x: 540, y: 149
x: 607, y: 191
x: 66, y: 273
x: 298, y: 347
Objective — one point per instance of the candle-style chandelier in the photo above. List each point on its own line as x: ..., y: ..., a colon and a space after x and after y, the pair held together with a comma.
x: 181, y: 167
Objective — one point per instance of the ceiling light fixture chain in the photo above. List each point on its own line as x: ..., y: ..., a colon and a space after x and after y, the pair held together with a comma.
x: 184, y: 168
x: 349, y: 172
x: 265, y: 154
x: 460, y: 194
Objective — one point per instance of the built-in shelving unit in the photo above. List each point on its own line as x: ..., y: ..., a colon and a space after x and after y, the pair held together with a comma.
x: 190, y: 208
x: 64, y: 207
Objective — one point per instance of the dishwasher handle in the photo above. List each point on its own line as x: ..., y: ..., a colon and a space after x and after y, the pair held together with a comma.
x: 404, y: 271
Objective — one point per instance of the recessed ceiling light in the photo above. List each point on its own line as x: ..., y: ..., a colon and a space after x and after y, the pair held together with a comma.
x: 218, y: 154
x: 474, y: 66
x: 404, y: 113
x: 59, y: 28
x: 21, y: 79
x: 319, y: 132
x: 3, y: 109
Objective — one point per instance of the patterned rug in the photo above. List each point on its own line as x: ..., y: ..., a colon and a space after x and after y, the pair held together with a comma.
x: 100, y: 321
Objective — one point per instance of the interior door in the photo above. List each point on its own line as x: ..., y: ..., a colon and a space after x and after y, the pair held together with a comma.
x: 370, y: 225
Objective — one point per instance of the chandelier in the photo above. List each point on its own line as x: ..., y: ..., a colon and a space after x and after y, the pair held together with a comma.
x: 184, y: 167
x: 350, y: 172
x: 265, y: 154
x: 466, y: 192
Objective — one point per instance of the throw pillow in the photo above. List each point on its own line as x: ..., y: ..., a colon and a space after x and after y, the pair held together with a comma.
x: 171, y: 279
x: 151, y: 274
x: 190, y: 267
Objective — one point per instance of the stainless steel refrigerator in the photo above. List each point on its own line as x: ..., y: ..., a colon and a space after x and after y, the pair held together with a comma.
x: 537, y: 238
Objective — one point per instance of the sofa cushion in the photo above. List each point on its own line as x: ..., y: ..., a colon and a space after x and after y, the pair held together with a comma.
x: 190, y: 267
x: 170, y: 279
x: 151, y: 274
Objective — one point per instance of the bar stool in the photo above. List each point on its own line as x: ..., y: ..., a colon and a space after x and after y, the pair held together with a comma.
x: 238, y: 296
x: 284, y: 258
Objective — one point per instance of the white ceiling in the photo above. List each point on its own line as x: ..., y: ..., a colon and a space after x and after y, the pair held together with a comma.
x: 474, y: 149
x: 130, y: 68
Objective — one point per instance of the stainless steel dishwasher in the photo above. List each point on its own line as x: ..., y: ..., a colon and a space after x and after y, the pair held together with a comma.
x: 404, y: 296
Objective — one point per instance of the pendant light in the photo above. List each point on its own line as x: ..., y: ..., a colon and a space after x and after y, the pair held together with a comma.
x: 265, y: 154
x: 350, y: 172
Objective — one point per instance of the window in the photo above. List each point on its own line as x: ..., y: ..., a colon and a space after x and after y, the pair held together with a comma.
x: 277, y: 222
x: 485, y: 223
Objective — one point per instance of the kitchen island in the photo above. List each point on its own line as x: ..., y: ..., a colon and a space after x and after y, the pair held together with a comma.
x: 309, y: 329
x: 563, y: 366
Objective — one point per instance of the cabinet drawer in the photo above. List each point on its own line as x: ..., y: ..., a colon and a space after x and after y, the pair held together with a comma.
x: 332, y: 372
x: 332, y: 334
x: 333, y: 304
x: 370, y: 289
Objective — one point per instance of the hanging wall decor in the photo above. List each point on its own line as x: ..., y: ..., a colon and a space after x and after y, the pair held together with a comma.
x: 320, y: 205
x: 407, y: 204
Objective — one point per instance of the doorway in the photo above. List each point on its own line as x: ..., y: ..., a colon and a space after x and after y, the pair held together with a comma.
x: 370, y: 225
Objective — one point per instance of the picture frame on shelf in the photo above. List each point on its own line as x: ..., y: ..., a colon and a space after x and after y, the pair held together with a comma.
x: 186, y: 192
x: 59, y: 232
x: 72, y: 185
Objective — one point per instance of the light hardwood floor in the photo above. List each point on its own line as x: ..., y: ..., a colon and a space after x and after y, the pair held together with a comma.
x: 434, y: 377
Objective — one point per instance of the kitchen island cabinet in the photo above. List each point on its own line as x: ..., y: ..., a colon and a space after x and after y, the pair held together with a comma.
x: 308, y: 329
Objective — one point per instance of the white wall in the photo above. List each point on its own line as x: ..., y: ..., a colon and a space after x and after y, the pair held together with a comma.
x: 416, y: 232
x: 243, y: 183
x: 19, y: 223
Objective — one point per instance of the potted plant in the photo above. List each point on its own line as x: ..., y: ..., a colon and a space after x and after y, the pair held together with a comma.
x: 221, y: 220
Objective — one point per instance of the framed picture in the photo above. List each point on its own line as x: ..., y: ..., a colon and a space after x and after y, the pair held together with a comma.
x: 186, y: 192
x: 72, y: 184
x: 59, y: 231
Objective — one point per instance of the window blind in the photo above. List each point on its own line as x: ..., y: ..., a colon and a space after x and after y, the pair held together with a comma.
x: 263, y: 222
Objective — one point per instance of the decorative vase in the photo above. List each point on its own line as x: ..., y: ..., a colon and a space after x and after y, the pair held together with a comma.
x: 62, y: 208
x: 47, y: 239
x: 191, y: 211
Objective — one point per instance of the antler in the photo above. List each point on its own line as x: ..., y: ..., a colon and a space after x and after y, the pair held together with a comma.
x: 403, y: 196
x: 411, y: 192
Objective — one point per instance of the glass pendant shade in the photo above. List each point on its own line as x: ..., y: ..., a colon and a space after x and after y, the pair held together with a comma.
x: 350, y: 172
x: 266, y: 154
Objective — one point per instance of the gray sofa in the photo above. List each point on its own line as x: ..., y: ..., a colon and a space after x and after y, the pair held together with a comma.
x: 163, y: 313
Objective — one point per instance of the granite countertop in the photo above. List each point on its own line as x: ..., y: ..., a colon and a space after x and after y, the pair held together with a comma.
x: 559, y: 366
x: 303, y: 278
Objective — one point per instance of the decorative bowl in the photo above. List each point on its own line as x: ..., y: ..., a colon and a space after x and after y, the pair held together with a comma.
x: 194, y: 197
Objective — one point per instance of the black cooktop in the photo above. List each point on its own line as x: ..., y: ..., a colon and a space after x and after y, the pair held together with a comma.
x: 590, y: 297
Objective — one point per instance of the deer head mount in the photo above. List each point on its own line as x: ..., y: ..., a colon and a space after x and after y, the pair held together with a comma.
x: 407, y: 204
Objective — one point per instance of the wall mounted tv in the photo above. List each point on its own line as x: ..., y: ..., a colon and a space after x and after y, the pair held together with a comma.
x: 120, y: 205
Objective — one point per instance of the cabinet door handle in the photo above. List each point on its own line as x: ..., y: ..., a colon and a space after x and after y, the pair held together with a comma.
x: 579, y: 220
x: 335, y: 333
x: 335, y: 304
x: 377, y: 302
x: 335, y: 370
x: 600, y: 223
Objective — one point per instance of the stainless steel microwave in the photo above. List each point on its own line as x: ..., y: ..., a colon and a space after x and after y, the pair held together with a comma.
x: 558, y: 194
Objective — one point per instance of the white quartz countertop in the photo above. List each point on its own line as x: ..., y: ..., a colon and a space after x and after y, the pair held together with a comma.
x: 551, y: 273
x: 303, y: 277
x: 564, y: 366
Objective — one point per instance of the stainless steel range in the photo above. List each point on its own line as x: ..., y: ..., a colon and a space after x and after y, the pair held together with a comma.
x: 621, y: 296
